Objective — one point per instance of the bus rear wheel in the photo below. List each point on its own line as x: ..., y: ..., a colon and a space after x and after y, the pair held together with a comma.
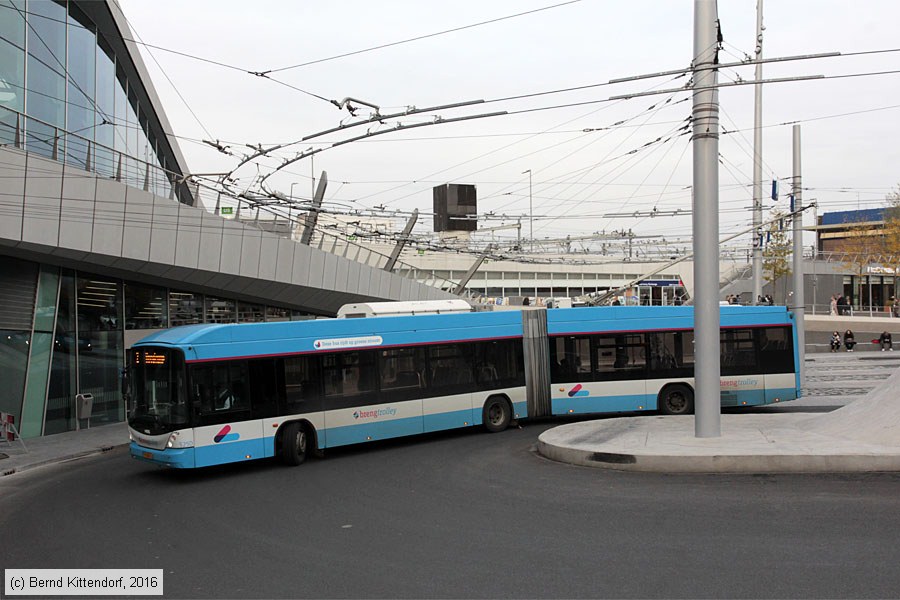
x: 497, y: 414
x: 676, y: 400
x: 294, y: 444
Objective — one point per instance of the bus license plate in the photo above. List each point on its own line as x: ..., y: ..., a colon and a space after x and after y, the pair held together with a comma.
x: 148, y: 455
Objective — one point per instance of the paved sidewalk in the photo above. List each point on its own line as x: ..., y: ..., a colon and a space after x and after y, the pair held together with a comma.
x: 863, y: 436
x: 60, y: 447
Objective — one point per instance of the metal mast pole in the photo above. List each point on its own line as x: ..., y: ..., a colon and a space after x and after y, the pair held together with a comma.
x: 799, y: 300
x: 757, y: 161
x: 404, y: 239
x: 707, y: 422
x: 530, y: 209
x: 312, y: 216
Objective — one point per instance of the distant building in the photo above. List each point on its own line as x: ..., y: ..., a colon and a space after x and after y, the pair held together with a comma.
x: 833, y: 271
x: 834, y: 229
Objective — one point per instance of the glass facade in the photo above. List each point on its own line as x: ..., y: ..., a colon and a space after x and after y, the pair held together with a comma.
x: 145, y: 307
x: 14, y: 348
x: 63, y: 367
x: 68, y: 337
x: 100, y: 327
x: 69, y: 92
x: 12, y: 67
x: 65, y: 95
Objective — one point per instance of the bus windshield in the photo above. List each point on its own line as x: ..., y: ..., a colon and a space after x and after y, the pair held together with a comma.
x: 158, y: 399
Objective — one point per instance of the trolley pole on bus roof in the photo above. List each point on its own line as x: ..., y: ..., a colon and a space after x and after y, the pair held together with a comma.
x: 799, y: 301
x: 705, y: 139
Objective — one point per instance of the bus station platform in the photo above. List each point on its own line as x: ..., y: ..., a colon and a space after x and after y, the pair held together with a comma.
x: 862, y: 436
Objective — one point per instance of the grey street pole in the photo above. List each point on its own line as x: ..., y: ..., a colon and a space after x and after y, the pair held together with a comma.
x: 705, y: 139
x: 290, y: 210
x: 757, y: 161
x: 530, y: 209
x: 799, y: 300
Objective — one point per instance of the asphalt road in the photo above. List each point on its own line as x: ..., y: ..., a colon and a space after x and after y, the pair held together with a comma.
x: 470, y: 515
x: 464, y: 514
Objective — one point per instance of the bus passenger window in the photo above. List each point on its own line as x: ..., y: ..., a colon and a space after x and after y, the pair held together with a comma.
x: 223, y: 398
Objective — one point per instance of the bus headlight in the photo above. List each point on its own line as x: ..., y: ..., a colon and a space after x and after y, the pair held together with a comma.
x: 172, y: 438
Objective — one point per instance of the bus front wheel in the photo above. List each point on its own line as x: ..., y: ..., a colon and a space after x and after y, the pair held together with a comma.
x: 294, y: 444
x: 676, y: 400
x: 497, y: 414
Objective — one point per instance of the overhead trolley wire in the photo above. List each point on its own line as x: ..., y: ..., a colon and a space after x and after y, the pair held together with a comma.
x: 418, y: 38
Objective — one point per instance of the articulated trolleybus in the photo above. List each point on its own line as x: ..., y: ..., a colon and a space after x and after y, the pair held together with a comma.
x: 204, y: 395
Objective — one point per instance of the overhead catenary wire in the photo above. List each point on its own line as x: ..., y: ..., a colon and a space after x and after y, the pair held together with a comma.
x: 356, y: 140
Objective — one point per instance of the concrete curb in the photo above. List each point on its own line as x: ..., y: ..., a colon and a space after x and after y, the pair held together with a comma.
x: 723, y: 463
x: 44, y: 462
x: 750, y: 443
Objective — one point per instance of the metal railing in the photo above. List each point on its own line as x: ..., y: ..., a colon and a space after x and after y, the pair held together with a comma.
x: 885, y: 312
x: 39, y: 137
x: 284, y: 218
x: 45, y: 139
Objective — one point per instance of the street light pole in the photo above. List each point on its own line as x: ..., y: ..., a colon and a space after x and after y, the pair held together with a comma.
x: 290, y: 208
x: 530, y: 209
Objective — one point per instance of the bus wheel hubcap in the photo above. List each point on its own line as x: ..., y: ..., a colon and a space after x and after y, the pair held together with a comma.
x: 301, y: 441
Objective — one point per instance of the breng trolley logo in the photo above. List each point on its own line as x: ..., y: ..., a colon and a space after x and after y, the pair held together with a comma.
x: 577, y: 391
x: 375, y: 414
x: 225, y: 436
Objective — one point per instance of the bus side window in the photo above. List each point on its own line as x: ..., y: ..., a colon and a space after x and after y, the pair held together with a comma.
x: 239, y: 399
x: 487, y: 373
x: 300, y: 386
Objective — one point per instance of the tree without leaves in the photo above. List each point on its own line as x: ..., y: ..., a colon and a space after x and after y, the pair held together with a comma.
x: 776, y: 252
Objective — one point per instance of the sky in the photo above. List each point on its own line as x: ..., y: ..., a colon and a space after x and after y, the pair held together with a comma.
x: 592, y: 160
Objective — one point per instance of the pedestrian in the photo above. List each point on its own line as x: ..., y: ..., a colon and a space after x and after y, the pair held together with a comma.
x: 885, y: 341
x: 835, y: 341
x: 841, y: 304
x: 849, y: 341
x: 833, y: 306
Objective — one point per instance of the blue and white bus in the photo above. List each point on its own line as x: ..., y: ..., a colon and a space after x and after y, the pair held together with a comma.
x: 208, y: 394
x: 203, y: 395
x: 642, y: 358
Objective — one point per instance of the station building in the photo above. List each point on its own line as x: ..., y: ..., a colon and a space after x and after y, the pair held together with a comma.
x: 102, y: 237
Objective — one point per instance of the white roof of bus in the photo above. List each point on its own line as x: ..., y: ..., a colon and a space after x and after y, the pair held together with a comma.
x: 394, y: 309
